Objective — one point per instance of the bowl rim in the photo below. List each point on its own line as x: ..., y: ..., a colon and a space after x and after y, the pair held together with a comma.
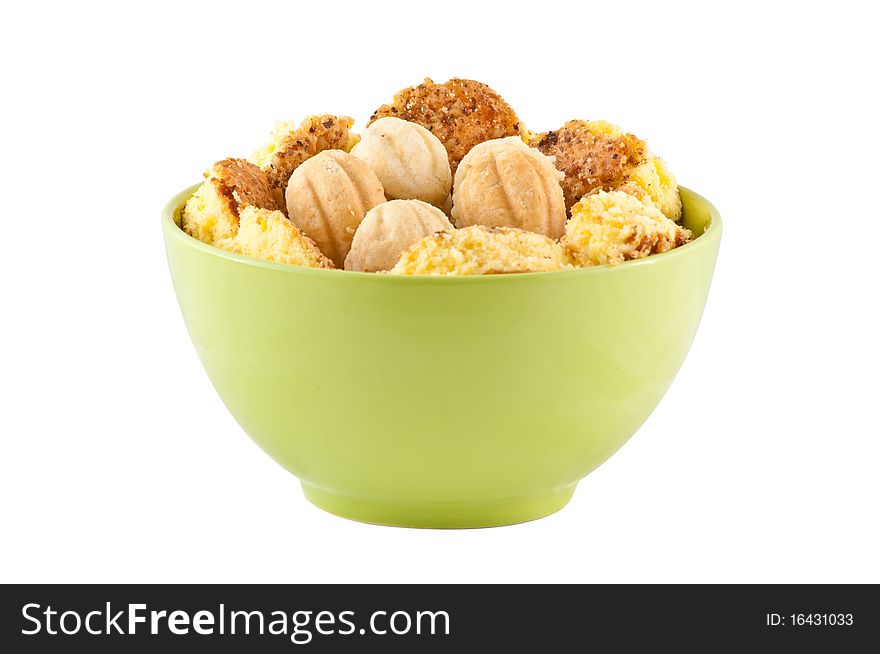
x: 708, y: 239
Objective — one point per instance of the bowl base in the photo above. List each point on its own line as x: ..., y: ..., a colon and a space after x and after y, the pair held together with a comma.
x: 440, y: 515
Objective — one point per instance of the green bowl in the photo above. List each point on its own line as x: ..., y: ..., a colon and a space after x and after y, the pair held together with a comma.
x: 441, y: 401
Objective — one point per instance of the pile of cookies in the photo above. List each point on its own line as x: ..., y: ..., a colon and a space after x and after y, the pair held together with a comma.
x: 444, y: 180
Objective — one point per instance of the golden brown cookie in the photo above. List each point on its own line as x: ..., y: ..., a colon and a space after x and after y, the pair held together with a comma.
x: 460, y: 112
x: 291, y: 145
x: 598, y: 155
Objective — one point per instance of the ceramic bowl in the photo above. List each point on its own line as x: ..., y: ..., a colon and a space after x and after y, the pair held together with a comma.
x: 441, y: 401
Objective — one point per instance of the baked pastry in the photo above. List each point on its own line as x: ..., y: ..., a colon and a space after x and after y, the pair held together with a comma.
x: 328, y: 197
x: 612, y: 227
x: 269, y: 235
x: 317, y: 194
x: 212, y: 212
x: 505, y: 183
x: 291, y: 145
x: 482, y: 250
x: 598, y: 155
x: 390, y: 228
x: 409, y: 160
x: 459, y: 112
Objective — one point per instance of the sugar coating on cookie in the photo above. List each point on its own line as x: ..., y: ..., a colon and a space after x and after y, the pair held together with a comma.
x: 459, y: 112
x: 290, y: 145
x: 409, y: 160
x: 271, y: 236
x: 599, y: 155
x: 479, y: 250
x: 390, y: 228
x: 212, y: 213
x: 505, y: 183
x: 328, y: 197
x: 612, y: 227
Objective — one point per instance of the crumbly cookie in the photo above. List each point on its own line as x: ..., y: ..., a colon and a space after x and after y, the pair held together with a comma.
x: 212, y: 213
x: 269, y: 235
x: 479, y: 250
x: 612, y: 227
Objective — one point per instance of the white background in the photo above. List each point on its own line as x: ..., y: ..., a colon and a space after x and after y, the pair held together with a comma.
x: 119, y: 462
